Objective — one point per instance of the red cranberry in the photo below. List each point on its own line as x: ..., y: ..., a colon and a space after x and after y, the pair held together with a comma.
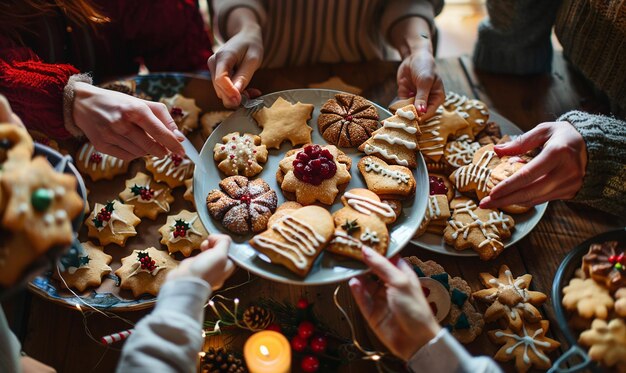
x: 318, y: 344
x: 298, y: 343
x: 177, y: 159
x: 95, y: 158
x: 302, y: 304
x: 310, y: 364
x: 348, y: 117
x: 437, y: 186
x: 313, y: 165
x: 246, y: 198
x: 613, y: 259
x: 306, y: 329
x: 176, y: 112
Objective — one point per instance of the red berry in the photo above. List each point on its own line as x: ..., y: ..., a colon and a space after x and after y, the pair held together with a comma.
x: 620, y: 258
x: 310, y: 364
x: 302, y: 156
x: 302, y: 304
x: 318, y: 344
x: 246, y: 198
x: 437, y: 186
x: 176, y: 112
x: 306, y: 329
x: 298, y: 343
x: 613, y: 259
x: 348, y: 117
x: 426, y: 291
x: 95, y: 157
x: 274, y: 327
x: 177, y: 159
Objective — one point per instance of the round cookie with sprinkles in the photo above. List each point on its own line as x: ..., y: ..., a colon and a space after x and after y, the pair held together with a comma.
x: 240, y: 154
x: 98, y: 165
x: 173, y: 169
x: 183, y: 233
x: 149, y: 198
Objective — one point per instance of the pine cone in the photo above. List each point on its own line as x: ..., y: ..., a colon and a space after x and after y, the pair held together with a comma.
x: 220, y: 360
x: 257, y: 318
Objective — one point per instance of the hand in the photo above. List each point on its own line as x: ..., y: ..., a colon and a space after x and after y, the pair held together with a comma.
x: 125, y: 126
x: 7, y: 115
x: 417, y: 77
x: 30, y: 365
x: 212, y: 265
x: 556, y: 173
x: 397, y: 310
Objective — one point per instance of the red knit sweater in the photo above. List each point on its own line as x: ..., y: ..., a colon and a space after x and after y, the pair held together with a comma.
x: 166, y: 35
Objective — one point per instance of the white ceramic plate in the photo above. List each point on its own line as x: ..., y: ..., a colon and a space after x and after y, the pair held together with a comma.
x: 328, y: 268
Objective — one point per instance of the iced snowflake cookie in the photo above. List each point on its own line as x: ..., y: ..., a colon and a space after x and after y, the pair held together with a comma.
x: 183, y: 232
x: 460, y: 152
x: 88, y: 270
x: 474, y: 111
x: 284, y: 121
x: 347, y: 120
x: 173, y: 169
x: 112, y: 223
x: 149, y: 198
x: 98, y: 165
x: 240, y: 154
x: 184, y: 111
x: 387, y: 181
x: 144, y: 271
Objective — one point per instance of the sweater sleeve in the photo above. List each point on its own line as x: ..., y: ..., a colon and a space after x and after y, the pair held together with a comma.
x: 603, y: 185
x: 222, y: 9
x: 398, y: 10
x: 515, y: 38
x: 169, y: 339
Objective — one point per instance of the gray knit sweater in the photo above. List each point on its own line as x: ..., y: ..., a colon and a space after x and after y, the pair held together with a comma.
x: 515, y: 39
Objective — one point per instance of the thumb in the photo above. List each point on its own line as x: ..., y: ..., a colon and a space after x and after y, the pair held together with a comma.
x: 244, y: 73
x: 526, y: 142
x: 422, y: 92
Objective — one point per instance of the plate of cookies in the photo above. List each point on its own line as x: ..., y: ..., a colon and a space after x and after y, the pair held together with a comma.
x: 457, y: 144
x: 305, y: 180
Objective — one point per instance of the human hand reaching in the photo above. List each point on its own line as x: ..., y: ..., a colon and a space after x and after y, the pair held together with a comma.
x: 6, y: 113
x: 556, y: 173
x: 396, y: 309
x: 417, y: 77
x: 125, y: 126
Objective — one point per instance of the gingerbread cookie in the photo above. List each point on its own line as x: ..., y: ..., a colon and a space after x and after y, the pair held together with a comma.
x: 242, y: 206
x: 183, y: 232
x: 144, y: 271
x: 606, y: 263
x: 184, y: 111
x: 128, y: 87
x: 284, y: 121
x: 45, y: 140
x: 436, y: 131
x: 209, y: 121
x: 510, y: 298
x: 112, y: 223
x: 386, y: 180
x: 240, y: 154
x: 474, y: 111
x: 475, y: 176
x: 437, y: 209
x: 620, y: 302
x: 173, y: 169
x: 354, y: 231
x: 368, y: 203
x: 297, y: 238
x: 588, y: 298
x: 15, y: 144
x: 314, y: 173
x: 528, y: 346
x: 506, y: 168
x: 607, y: 342
x: 347, y: 120
x: 16, y: 257
x: 396, y: 140
x: 400, y: 103
x: 148, y: 197
x: 188, y: 195
x: 99, y: 165
x: 282, y: 210
x: 88, y: 270
x: 460, y: 152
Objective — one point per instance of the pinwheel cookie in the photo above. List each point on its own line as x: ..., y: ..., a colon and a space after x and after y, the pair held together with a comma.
x: 347, y: 120
x: 98, y: 165
x: 284, y: 121
x: 173, y: 169
x: 183, y: 232
x: 144, y: 271
x: 240, y: 154
x: 148, y: 197
x: 184, y: 111
x: 88, y: 270
x: 112, y: 223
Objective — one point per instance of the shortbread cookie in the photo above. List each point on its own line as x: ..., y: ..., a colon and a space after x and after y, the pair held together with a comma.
x: 368, y: 203
x: 15, y: 144
x: 183, y: 232
x: 354, y: 231
x: 620, y: 302
x: 240, y: 154
x: 188, y: 195
x: 347, y: 120
x: 314, y: 173
x: 98, y: 165
x: 460, y: 152
x: 388, y: 181
x: 401, y: 103
x: 88, y: 270
x: 297, y: 238
x: 606, y: 263
x: 437, y: 130
x: 242, y: 206
x: 184, y: 111
x: 149, y: 198
x: 282, y: 210
x: 209, y: 121
x: 144, y: 271
x: 607, y: 343
x: 528, y: 346
x: 396, y: 140
x: 173, y: 169
x: 112, y: 223
x: 284, y: 121
x: 509, y: 298
x: 588, y: 298
x: 474, y: 111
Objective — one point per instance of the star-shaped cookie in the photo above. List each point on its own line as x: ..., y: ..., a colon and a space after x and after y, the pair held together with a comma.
x: 284, y: 121
x: 149, y: 197
x: 112, y: 223
x: 183, y: 232
x: 144, y: 271
x: 184, y: 111
x: 437, y: 130
x: 89, y: 269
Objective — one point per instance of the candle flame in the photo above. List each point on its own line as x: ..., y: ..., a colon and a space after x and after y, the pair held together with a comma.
x: 78, y: 307
x: 375, y: 357
x: 201, y: 354
x: 264, y: 350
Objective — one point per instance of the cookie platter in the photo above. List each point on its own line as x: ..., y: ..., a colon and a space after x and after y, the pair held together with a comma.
x: 328, y: 267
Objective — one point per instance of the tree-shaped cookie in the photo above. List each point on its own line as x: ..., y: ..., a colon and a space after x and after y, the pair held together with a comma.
x: 284, y: 121
x: 88, y: 270
x: 240, y: 154
x: 183, y: 232
x: 112, y: 223
x: 607, y: 342
x: 149, y: 198
x: 144, y: 271
x: 436, y: 131
x: 396, y: 140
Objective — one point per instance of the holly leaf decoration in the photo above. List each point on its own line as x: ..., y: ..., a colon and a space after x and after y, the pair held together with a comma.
x: 109, y: 206
x: 181, y: 224
x: 142, y: 254
x: 136, y: 190
x: 83, y: 260
x: 97, y: 223
x: 350, y: 226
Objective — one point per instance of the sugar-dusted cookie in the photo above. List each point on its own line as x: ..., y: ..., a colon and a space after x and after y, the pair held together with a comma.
x: 15, y: 143
x: 437, y: 130
x: 184, y: 111
x: 297, y: 238
x: 347, y: 120
x: 88, y: 270
x: 173, y: 169
x: 144, y: 271
x: 354, y: 230
x: 314, y: 173
x: 209, y: 121
x: 98, y: 165
x: 284, y: 121
x: 509, y: 298
x: 606, y: 263
x: 460, y: 152
x: 40, y: 203
x: 474, y: 111
x: 112, y: 223
x: 149, y: 198
x: 188, y: 195
x: 388, y: 181
x: 368, y: 203
x: 482, y: 230
x: 183, y: 232
x: 528, y: 346
x: 242, y: 206
x: 240, y: 154
x: 396, y: 140
x: 606, y: 342
x: 620, y: 302
x: 588, y: 298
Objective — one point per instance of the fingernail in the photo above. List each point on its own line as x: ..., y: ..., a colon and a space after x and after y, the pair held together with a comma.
x: 421, y: 106
x: 179, y: 135
x: 485, y: 202
x: 367, y: 251
x: 411, y: 94
x: 353, y: 282
x: 238, y: 84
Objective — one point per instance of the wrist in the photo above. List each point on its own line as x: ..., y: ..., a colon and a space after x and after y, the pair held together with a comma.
x: 429, y: 332
x: 242, y: 20
x: 411, y: 35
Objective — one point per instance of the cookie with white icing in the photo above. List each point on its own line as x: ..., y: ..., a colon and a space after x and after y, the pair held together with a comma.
x: 184, y: 111
x: 354, y: 231
x: 437, y: 130
x: 149, y: 197
x: 460, y: 152
x: 88, y: 270
x: 173, y: 169
x: 98, y: 165
x: 240, y: 154
x: 474, y: 177
x: 183, y: 233
x: 437, y: 209
x: 388, y: 181
x: 188, y: 195
x: 368, y: 203
x: 474, y: 111
x: 144, y: 271
x: 114, y: 223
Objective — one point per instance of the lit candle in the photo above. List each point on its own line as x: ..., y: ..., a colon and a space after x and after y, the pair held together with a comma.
x: 267, y: 352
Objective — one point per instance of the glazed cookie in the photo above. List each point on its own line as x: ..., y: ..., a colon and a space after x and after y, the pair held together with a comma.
x: 188, y: 195
x: 528, y: 346
x: 148, y: 197
x: 297, y: 238
x: 620, y: 302
x: 173, y: 169
x: 509, y: 298
x: 99, y: 165
x: 460, y: 152
x: 368, y: 203
x: 240, y: 154
x: 282, y: 210
x: 588, y: 298
x: 314, y: 173
x: 183, y: 232
x: 144, y: 271
x: 606, y: 263
x: 386, y: 180
x: 347, y: 120
x: 184, y: 111
x: 242, y: 206
x: 474, y: 111
x: 112, y: 223
x: 284, y: 121
x: 15, y: 144
x: 506, y: 168
x: 400, y: 104
x: 209, y: 121
x: 354, y: 230
x: 396, y: 140
x: 436, y: 131
x: 606, y: 342
x: 88, y: 270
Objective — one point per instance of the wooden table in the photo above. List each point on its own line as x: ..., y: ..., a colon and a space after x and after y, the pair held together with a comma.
x: 56, y: 335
